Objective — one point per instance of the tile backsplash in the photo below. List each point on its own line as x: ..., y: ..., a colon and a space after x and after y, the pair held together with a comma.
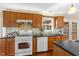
x: 37, y: 31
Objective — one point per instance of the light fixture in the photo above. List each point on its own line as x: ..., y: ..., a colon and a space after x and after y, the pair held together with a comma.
x: 72, y: 9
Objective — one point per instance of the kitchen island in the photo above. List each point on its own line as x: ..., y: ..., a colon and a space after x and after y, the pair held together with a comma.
x: 66, y: 48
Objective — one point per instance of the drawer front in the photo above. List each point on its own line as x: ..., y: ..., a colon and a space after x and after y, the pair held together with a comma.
x: 52, y: 38
x: 50, y: 44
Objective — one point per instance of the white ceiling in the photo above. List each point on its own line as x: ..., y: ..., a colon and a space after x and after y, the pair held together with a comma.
x: 33, y: 6
x: 53, y: 8
x: 42, y: 6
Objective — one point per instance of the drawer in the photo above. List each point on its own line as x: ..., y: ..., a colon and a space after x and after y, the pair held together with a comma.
x: 52, y: 38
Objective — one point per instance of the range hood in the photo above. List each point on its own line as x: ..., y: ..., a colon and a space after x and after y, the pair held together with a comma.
x: 23, y: 21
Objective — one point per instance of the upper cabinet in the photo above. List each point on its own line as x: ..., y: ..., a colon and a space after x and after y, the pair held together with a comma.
x: 48, y: 23
x: 37, y: 21
x: 6, y: 19
x: 10, y: 17
x: 13, y: 20
x: 59, y: 21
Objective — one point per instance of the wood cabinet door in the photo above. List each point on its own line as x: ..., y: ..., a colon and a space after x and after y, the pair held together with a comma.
x: 53, y: 38
x: 37, y: 21
x: 59, y: 21
x: 10, y: 46
x: 6, y: 19
x: 9, y: 18
x: 34, y: 45
x: 50, y: 44
x: 2, y: 47
x: 60, y: 38
x: 13, y: 19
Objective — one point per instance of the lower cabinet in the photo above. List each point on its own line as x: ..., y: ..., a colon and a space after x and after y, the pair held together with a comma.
x: 34, y: 45
x: 7, y: 47
x: 50, y: 45
x: 10, y: 45
x: 53, y: 38
x: 2, y: 47
x: 57, y: 51
x: 44, y: 43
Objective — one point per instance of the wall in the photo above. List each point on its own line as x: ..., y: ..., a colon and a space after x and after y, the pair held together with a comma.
x: 1, y: 21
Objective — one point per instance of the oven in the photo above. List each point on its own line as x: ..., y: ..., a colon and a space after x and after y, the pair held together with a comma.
x: 23, y: 45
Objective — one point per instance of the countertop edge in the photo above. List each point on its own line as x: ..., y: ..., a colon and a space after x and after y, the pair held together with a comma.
x: 63, y: 48
x: 33, y: 36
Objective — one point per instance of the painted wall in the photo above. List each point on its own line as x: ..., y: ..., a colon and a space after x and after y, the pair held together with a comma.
x: 1, y: 19
x: 1, y: 22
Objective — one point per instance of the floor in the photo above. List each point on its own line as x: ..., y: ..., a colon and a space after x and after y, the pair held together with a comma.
x: 47, y: 53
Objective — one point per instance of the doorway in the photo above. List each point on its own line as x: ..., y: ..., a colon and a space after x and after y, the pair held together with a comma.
x: 74, y: 30
x: 70, y: 30
x: 66, y: 30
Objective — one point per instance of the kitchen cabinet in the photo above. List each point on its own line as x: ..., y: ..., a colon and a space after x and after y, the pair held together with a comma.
x: 34, y: 45
x: 7, y: 47
x: 42, y: 43
x: 48, y: 23
x: 10, y: 44
x: 13, y: 20
x: 50, y: 39
x: 2, y: 47
x: 37, y: 21
x: 6, y: 19
x: 59, y: 21
x: 53, y: 38
x: 57, y: 51
x: 60, y: 37
x: 10, y: 17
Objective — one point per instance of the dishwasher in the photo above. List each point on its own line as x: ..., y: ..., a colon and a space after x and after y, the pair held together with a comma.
x: 42, y: 44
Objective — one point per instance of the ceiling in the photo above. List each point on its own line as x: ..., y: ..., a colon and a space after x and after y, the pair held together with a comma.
x: 45, y: 8
x: 42, y: 6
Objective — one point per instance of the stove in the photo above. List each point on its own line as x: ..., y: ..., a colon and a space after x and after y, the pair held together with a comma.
x: 23, y: 45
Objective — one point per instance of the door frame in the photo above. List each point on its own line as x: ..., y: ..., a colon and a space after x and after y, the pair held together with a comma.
x: 70, y: 28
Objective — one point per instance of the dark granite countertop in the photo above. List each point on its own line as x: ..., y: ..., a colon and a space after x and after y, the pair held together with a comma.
x: 69, y: 45
x: 34, y: 36
x: 13, y: 36
x: 6, y: 37
x: 47, y: 35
